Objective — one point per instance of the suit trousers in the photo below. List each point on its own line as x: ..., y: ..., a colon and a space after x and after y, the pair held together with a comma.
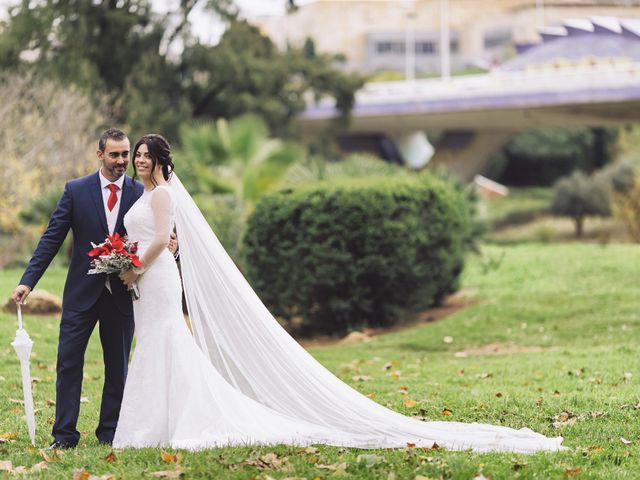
x: 116, y: 334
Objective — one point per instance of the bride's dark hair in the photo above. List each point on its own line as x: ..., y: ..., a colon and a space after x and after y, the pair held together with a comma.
x: 160, y: 153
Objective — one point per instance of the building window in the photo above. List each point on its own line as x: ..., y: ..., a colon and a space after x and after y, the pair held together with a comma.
x: 425, y: 48
x: 389, y: 47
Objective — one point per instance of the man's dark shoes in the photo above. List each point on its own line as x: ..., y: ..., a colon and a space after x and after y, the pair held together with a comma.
x: 57, y: 445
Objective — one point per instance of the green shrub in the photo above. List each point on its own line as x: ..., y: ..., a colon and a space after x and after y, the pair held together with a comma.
x: 357, y: 252
x: 540, y: 157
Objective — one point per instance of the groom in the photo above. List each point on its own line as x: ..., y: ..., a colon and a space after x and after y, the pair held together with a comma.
x: 92, y: 207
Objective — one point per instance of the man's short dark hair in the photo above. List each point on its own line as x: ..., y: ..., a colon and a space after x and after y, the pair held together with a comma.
x: 111, y: 133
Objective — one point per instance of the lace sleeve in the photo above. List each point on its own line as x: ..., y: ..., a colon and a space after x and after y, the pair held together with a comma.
x: 162, y: 207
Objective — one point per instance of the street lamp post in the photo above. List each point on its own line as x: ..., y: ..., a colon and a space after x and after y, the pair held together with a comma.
x: 540, y: 13
x: 410, y: 43
x: 445, y: 41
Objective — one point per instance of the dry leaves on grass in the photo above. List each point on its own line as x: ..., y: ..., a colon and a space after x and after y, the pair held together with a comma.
x: 82, y: 474
x: 7, y: 466
x: 565, y: 418
x: 111, y: 458
x: 446, y: 412
x: 170, y: 457
x: 410, y: 403
x: 8, y: 437
x: 168, y: 473
x: 337, y: 468
x: 268, y: 461
x: 572, y: 472
x: 50, y: 457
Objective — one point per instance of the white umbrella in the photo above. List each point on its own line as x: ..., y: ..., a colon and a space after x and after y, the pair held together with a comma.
x: 22, y: 345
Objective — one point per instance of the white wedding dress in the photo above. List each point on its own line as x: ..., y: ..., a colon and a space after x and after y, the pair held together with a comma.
x: 240, y: 379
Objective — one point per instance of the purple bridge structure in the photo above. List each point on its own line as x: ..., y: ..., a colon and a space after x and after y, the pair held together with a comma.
x: 583, y: 73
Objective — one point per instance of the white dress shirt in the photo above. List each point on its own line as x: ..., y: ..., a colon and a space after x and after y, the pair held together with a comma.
x: 112, y: 216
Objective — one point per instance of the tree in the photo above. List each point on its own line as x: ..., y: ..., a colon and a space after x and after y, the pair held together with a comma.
x: 245, y: 73
x: 579, y: 196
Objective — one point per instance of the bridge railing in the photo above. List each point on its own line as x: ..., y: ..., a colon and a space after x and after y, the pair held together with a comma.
x: 566, y: 78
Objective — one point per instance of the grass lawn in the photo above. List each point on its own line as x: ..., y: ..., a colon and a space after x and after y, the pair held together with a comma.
x: 550, y: 341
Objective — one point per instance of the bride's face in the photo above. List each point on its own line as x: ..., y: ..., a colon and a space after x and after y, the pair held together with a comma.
x: 143, y: 162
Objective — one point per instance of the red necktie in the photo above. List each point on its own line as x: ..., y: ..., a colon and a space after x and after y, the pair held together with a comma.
x: 113, y: 198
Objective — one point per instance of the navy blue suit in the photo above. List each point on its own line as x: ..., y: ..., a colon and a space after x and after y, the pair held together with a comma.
x: 86, y: 301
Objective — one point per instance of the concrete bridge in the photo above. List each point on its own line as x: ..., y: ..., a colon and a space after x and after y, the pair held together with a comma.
x: 466, y: 118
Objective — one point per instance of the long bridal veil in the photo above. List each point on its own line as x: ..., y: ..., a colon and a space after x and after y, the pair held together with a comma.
x: 258, y: 357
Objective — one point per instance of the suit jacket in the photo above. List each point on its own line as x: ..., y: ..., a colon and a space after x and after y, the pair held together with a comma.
x: 81, y: 209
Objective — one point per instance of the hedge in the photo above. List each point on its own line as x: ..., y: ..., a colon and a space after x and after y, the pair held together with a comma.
x: 357, y: 252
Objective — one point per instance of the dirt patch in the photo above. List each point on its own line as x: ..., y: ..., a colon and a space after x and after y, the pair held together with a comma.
x: 452, y: 304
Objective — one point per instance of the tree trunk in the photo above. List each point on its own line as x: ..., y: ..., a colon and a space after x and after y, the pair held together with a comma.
x: 579, y: 222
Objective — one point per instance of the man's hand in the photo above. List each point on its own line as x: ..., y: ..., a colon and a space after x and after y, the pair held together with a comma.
x: 21, y: 293
x: 173, y: 244
x: 129, y: 277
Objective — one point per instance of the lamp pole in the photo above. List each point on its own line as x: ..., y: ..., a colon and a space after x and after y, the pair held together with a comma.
x: 410, y: 44
x: 445, y: 41
x: 540, y: 13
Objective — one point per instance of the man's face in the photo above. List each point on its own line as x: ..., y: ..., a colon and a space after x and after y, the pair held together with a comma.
x: 115, y: 158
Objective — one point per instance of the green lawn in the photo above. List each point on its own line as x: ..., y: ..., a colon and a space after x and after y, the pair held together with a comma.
x: 551, y: 336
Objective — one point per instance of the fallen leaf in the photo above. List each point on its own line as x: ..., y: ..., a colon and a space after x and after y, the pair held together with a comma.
x: 538, y: 402
x: 170, y: 457
x: 111, y: 458
x: 435, y: 446
x: 448, y: 339
x: 339, y: 468
x: 371, y: 395
x: 410, y: 403
x: 81, y: 474
x: 565, y: 418
x: 396, y: 375
x: 50, y: 458
x: 627, y: 376
x: 403, y: 390
x: 556, y: 393
x: 499, y: 394
x: 484, y: 375
x: 6, y: 465
x: 625, y: 441
x: 9, y: 436
x: 39, y: 466
x: 572, y: 472
x: 481, y: 477
x: 311, y: 450
x: 361, y: 378
x: 49, y: 402
x: 16, y: 401
x: 411, y: 445
x: 168, y: 473
x: 446, y: 412
x: 595, y: 450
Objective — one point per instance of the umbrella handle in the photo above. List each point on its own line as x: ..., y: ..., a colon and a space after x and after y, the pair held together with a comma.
x: 19, y: 316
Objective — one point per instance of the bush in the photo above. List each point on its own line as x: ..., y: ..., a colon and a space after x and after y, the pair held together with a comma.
x: 350, y: 253
x: 540, y: 157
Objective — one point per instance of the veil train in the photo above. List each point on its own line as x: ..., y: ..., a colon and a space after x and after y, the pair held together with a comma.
x: 247, y: 345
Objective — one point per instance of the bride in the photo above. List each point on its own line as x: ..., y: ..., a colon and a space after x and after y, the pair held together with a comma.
x: 239, y: 378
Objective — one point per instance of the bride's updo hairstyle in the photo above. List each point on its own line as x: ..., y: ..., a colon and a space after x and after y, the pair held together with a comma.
x: 160, y: 153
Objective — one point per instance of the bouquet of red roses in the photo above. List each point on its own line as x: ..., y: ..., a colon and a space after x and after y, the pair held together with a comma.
x: 115, y: 255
